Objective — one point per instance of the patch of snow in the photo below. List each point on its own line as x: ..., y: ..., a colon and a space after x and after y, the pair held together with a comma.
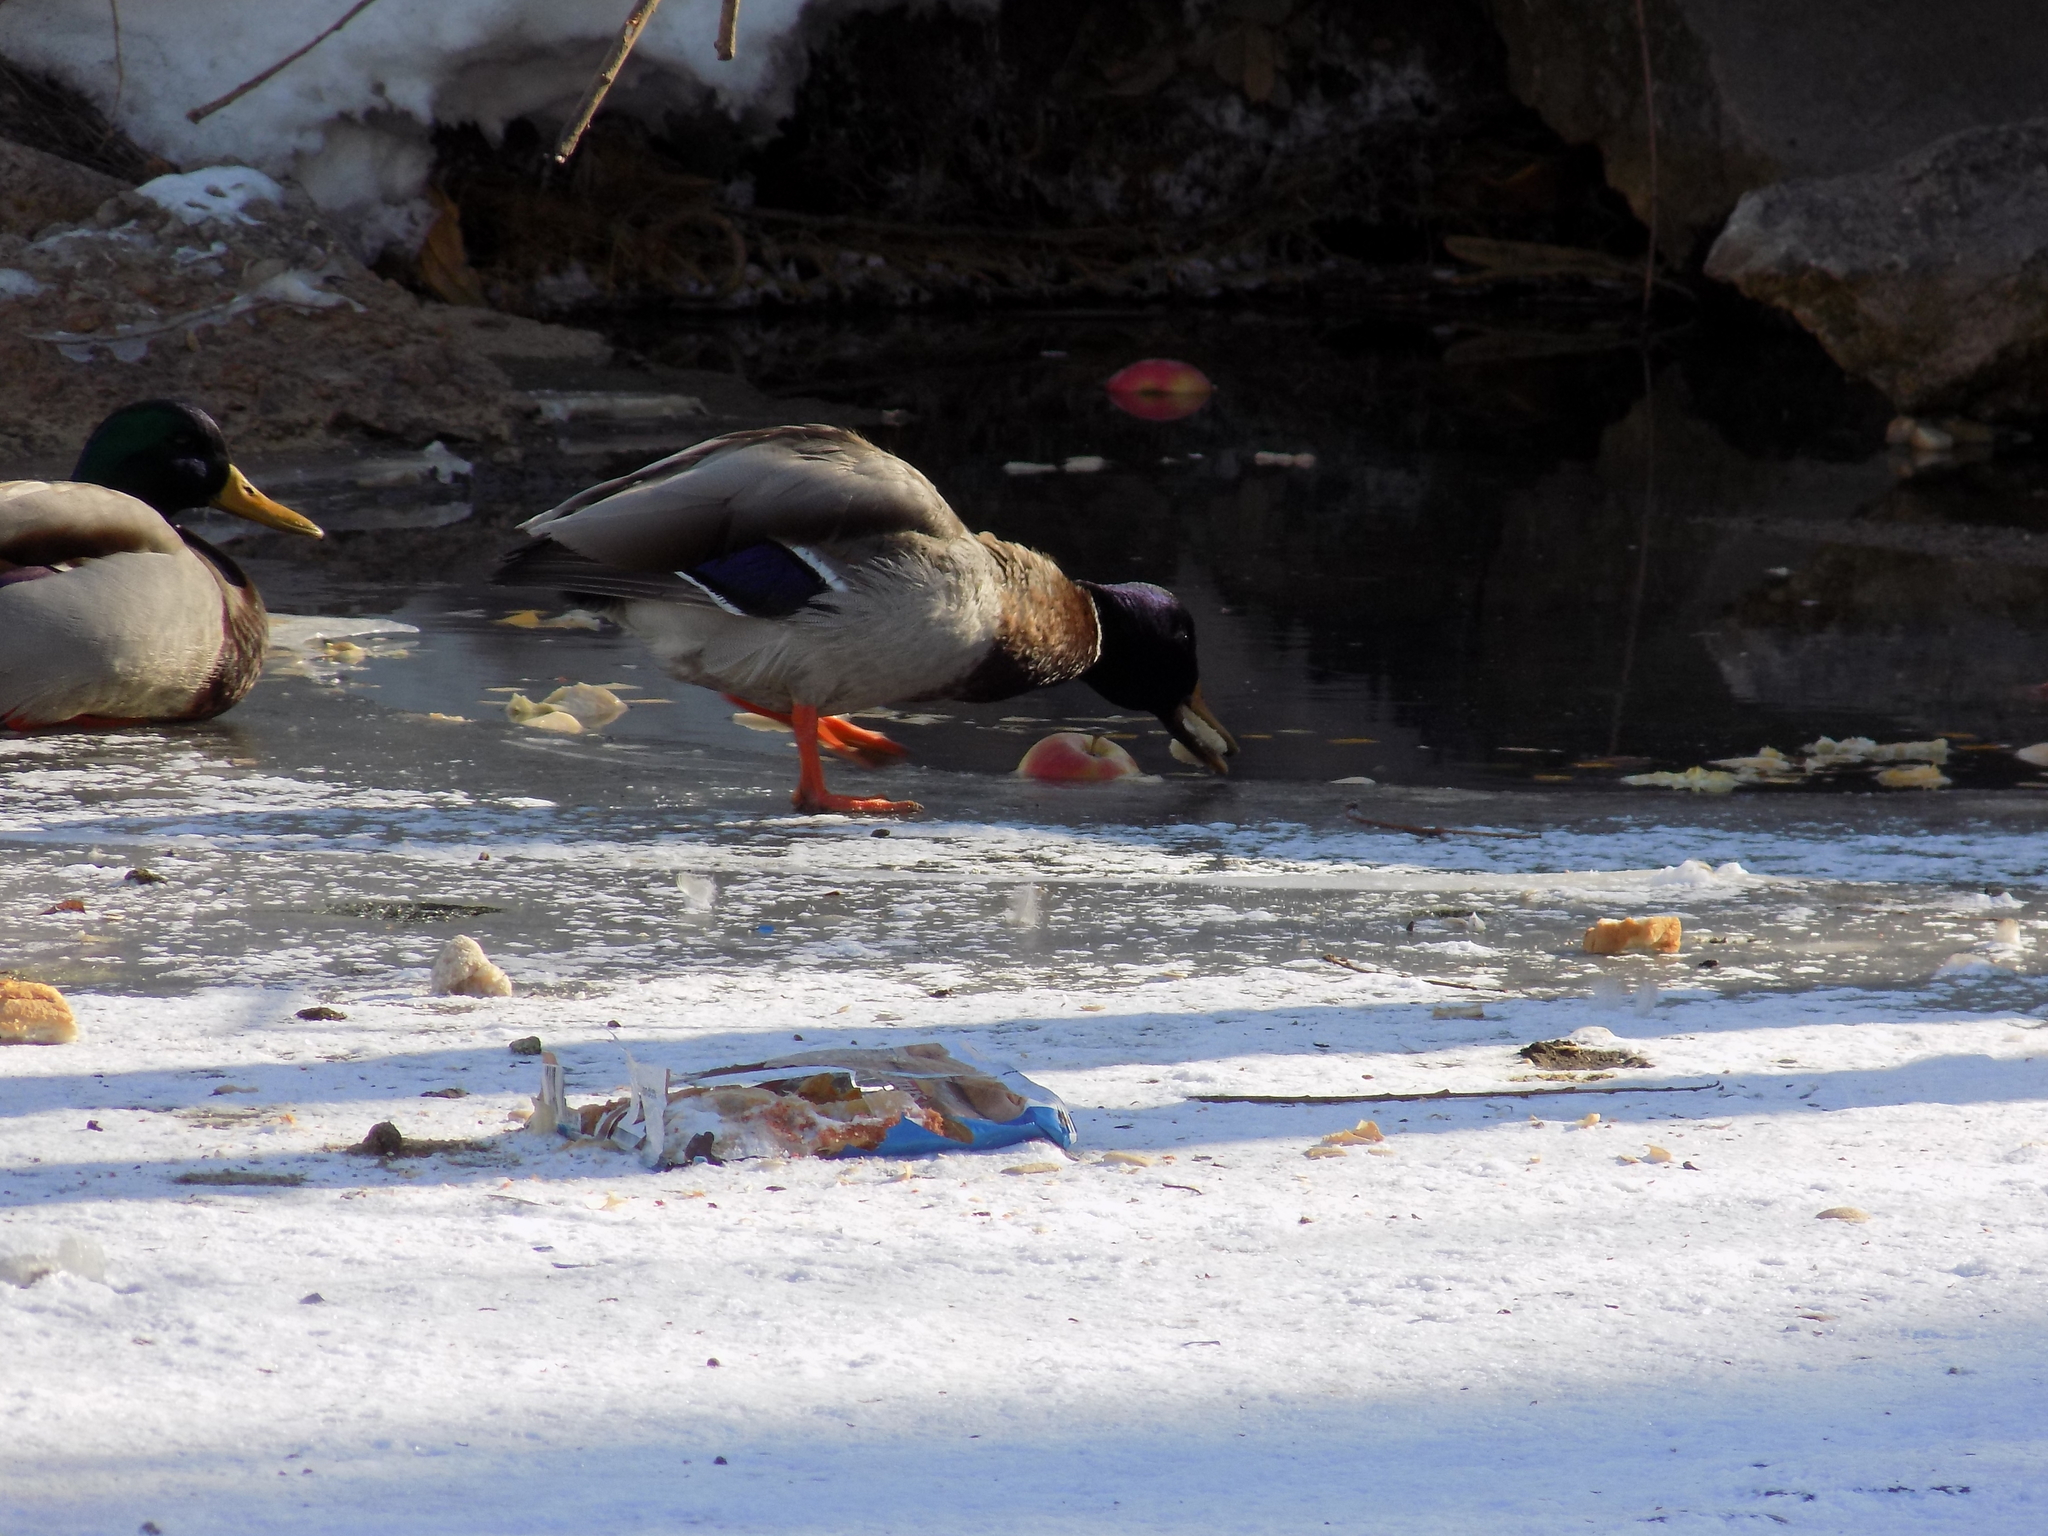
x: 351, y: 120
x: 221, y: 192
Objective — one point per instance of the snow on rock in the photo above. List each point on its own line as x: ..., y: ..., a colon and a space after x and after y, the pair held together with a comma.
x: 219, y: 192
x: 227, y: 289
x: 350, y: 121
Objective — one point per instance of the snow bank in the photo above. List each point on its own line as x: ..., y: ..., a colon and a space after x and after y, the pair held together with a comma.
x: 350, y: 121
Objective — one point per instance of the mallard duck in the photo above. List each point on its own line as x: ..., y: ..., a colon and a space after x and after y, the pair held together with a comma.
x: 108, y: 613
x: 805, y: 573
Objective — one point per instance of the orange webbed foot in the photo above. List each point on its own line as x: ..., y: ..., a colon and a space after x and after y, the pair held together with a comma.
x: 852, y: 805
x: 812, y: 797
x: 872, y: 749
x: 836, y: 734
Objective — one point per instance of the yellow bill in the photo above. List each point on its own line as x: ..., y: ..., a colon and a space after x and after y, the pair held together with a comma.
x: 244, y: 500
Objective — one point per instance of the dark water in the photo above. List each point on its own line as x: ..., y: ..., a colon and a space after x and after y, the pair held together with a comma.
x: 1523, y: 548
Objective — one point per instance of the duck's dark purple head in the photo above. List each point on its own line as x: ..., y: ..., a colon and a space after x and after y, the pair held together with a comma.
x: 1148, y: 662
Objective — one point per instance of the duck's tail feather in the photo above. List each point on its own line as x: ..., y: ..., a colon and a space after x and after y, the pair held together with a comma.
x: 544, y: 563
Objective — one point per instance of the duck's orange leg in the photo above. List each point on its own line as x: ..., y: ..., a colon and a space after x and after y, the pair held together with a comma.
x: 836, y: 733
x: 811, y: 794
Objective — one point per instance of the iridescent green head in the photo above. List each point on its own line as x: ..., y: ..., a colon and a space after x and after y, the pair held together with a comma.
x: 173, y: 456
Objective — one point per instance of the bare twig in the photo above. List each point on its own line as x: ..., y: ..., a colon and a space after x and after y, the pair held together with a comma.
x: 200, y: 114
x: 1402, y: 826
x: 1441, y: 1093
x: 608, y: 72
x: 1366, y: 970
x: 728, y: 28
x: 120, y: 66
x: 1650, y: 112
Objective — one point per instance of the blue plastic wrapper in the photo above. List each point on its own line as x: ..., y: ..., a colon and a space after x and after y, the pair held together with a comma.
x: 904, y: 1101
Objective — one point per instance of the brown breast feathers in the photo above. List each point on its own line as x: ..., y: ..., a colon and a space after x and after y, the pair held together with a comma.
x: 245, y: 632
x: 1049, y: 630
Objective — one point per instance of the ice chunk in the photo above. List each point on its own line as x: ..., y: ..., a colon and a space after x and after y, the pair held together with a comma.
x: 698, y: 893
x: 80, y: 1256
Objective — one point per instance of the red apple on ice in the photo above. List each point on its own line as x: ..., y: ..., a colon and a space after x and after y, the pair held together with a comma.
x: 1160, y: 389
x: 1068, y: 757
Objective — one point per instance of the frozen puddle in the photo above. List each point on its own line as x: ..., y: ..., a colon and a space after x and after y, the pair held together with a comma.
x: 1491, y: 1320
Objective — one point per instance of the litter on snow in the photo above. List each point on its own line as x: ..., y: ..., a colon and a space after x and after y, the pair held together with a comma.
x: 897, y: 1102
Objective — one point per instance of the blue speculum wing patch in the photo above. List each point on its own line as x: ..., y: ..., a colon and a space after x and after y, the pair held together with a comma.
x: 763, y: 581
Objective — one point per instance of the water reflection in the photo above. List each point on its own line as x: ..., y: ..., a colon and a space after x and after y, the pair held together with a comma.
x: 1521, y: 546
x: 1518, y: 548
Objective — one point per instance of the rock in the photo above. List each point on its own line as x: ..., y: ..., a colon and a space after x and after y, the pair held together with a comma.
x: 463, y: 970
x: 526, y: 1045
x: 38, y: 190
x: 1571, y: 1056
x: 516, y: 339
x: 320, y: 1013
x: 258, y: 312
x: 33, y: 1014
x: 382, y: 1140
x: 1927, y: 276
x: 1750, y: 93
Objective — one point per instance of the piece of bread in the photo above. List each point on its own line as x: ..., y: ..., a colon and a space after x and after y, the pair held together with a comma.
x: 33, y: 1014
x: 1618, y: 935
x: 463, y: 970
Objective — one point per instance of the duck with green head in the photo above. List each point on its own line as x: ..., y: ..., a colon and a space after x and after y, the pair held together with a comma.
x: 109, y: 613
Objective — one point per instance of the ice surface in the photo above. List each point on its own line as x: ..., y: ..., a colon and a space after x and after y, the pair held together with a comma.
x: 1487, y: 1321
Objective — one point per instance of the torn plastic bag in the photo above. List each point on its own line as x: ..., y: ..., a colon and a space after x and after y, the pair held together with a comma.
x: 897, y: 1102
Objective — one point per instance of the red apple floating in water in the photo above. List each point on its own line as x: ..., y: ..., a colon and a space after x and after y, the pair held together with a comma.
x: 1160, y: 389
x: 1068, y: 757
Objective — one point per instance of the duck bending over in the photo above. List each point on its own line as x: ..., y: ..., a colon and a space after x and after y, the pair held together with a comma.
x: 110, y: 614
x: 805, y: 573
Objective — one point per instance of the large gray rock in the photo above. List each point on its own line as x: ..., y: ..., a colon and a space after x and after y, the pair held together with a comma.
x: 38, y: 190
x: 1928, y: 277
x: 1751, y: 92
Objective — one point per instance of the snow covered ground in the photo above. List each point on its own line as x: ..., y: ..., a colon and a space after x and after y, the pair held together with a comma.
x: 351, y: 119
x: 1494, y: 1321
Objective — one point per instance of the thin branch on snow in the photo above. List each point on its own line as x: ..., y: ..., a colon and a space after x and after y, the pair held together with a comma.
x: 607, y: 73
x: 1311, y: 1099
x: 200, y: 114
